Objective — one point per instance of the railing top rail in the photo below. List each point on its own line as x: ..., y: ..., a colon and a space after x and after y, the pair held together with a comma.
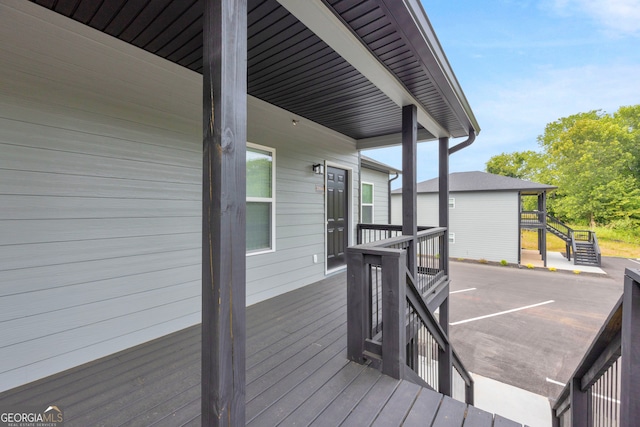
x: 392, y: 241
x: 633, y: 273
x: 457, y: 362
x: 392, y: 227
x: 431, y: 230
x: 374, y: 249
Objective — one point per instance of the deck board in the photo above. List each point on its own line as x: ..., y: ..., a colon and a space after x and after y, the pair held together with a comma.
x: 344, y: 403
x: 478, y: 418
x: 297, y: 374
x: 424, y: 409
x: 450, y: 414
x: 398, y: 405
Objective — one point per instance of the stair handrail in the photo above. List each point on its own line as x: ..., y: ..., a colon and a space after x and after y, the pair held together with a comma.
x: 401, y: 337
x: 613, y: 350
x: 574, y: 248
x: 589, y: 237
x: 559, y: 226
x: 596, y: 248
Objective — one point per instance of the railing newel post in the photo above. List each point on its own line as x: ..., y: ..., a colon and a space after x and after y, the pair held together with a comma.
x: 579, y: 403
x: 356, y: 301
x: 445, y: 359
x: 393, y: 315
x: 630, y: 361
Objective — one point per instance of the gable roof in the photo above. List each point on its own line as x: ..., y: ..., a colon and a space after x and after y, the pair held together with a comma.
x: 349, y: 65
x: 369, y: 163
x: 482, y: 181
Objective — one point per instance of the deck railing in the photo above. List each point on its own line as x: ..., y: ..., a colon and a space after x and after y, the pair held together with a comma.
x: 389, y: 322
x: 367, y: 233
x: 532, y: 218
x: 429, y: 247
x: 604, y: 389
x: 585, y: 236
x: 562, y: 229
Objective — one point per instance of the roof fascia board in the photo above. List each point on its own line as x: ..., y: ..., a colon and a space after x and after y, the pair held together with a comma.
x: 422, y: 38
x: 377, y: 166
x: 322, y: 21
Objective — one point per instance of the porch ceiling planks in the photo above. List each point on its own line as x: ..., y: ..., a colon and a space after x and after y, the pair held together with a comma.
x: 291, y: 67
x: 297, y: 373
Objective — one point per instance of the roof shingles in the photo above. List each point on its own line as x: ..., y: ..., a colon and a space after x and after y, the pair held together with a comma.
x: 481, y: 181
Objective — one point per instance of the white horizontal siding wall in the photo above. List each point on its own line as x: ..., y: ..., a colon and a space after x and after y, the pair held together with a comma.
x: 100, y: 195
x: 485, y: 223
x: 300, y: 199
x: 380, y: 181
x: 427, y: 206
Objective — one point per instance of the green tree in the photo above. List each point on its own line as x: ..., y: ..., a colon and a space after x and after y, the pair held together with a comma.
x: 594, y: 160
x: 593, y: 170
x: 520, y: 164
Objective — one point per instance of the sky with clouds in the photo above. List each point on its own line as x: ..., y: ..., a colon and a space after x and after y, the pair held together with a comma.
x: 525, y: 63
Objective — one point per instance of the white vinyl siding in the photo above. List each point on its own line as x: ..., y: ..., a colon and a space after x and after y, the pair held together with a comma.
x: 484, y: 223
x: 300, y: 208
x: 380, y: 182
x: 100, y: 195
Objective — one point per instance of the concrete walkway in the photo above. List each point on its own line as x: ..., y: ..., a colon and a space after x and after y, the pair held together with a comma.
x: 511, y: 402
x: 557, y: 261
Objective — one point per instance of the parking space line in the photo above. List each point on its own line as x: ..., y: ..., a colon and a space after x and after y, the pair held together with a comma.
x: 462, y: 290
x: 636, y: 261
x: 501, y: 313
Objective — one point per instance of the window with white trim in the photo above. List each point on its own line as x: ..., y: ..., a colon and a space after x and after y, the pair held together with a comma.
x: 366, y: 203
x: 261, y: 199
x: 452, y: 202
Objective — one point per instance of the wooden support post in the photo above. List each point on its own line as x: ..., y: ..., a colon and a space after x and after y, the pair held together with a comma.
x: 443, y: 198
x: 630, y: 382
x: 223, y: 212
x: 409, y: 181
x: 544, y: 226
x: 394, y: 315
x: 470, y: 394
x: 445, y: 358
x: 357, y: 302
x: 519, y: 228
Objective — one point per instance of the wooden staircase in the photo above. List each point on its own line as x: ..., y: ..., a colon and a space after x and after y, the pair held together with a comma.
x: 585, y: 254
x: 583, y: 242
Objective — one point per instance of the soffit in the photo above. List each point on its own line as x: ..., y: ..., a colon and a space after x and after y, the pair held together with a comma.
x: 288, y: 65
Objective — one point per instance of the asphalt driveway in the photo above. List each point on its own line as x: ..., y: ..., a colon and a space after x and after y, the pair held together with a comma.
x: 550, y: 320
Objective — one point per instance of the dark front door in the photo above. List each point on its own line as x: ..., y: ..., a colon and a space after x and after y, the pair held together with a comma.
x: 337, y: 217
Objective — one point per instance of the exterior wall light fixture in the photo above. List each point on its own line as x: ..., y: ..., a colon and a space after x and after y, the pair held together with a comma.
x: 318, y: 169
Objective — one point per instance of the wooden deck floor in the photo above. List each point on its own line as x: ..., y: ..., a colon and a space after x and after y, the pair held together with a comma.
x: 297, y: 374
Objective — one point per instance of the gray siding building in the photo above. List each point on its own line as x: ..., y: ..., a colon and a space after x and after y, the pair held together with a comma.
x: 484, y: 213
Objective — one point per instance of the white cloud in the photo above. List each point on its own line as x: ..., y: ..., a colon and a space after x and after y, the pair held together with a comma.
x: 615, y: 17
x: 513, y: 114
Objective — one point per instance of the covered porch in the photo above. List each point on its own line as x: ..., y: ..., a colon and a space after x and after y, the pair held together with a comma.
x: 349, y: 75
x: 297, y: 374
